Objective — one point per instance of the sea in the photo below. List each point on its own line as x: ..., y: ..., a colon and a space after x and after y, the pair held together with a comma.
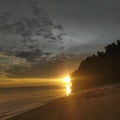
x: 17, y: 100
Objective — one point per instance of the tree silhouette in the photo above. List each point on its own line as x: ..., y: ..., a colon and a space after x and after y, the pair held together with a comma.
x: 103, y: 68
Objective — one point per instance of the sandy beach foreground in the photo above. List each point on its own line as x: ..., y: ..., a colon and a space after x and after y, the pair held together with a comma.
x: 96, y: 104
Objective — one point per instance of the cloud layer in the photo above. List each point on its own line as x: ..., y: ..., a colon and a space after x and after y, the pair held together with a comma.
x: 38, y: 36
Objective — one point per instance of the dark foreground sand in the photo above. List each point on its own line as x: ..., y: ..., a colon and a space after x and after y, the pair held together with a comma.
x: 97, y: 104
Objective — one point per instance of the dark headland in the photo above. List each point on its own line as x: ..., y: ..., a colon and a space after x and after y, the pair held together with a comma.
x: 100, y: 69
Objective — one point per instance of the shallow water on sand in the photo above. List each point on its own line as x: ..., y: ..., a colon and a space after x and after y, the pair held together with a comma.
x: 18, y: 100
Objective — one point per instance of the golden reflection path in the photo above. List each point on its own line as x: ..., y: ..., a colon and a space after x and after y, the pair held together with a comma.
x: 68, y: 88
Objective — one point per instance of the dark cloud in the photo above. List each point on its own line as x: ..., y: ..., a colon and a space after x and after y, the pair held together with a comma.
x: 30, y: 55
x: 37, y: 24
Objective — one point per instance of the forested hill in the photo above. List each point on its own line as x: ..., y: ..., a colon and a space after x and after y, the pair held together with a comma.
x: 103, y: 68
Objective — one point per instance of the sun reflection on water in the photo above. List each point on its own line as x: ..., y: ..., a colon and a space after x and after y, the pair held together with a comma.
x: 68, y: 89
x: 68, y: 85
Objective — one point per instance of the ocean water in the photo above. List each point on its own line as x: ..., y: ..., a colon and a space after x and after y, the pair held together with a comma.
x: 14, y: 101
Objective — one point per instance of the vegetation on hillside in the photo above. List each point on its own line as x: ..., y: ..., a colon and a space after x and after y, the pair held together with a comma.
x: 103, y: 68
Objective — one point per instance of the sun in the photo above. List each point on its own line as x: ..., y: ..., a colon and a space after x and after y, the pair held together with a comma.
x: 67, y: 79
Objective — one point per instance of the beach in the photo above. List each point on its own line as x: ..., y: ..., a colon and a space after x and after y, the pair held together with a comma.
x: 101, y: 103
x: 14, y: 101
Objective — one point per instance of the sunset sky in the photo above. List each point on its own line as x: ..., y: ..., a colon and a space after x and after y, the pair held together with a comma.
x: 49, y: 38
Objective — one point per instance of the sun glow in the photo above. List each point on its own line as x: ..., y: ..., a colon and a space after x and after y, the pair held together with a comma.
x: 67, y: 79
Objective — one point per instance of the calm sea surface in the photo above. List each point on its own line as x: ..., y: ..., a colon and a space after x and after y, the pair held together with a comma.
x: 14, y: 101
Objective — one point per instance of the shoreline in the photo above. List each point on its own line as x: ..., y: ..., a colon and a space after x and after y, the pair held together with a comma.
x: 10, y: 115
x: 103, y: 101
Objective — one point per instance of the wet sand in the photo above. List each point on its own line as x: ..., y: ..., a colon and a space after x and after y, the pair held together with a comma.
x: 96, y: 104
